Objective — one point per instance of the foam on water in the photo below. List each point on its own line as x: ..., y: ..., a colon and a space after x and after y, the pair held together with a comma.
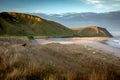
x: 114, y: 42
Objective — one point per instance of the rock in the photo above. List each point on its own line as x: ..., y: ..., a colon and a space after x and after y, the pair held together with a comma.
x: 94, y: 52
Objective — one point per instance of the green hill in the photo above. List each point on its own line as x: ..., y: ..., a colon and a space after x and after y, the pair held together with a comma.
x: 19, y: 24
x: 92, y: 31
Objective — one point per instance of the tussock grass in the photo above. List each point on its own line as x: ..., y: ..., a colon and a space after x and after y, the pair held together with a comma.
x: 57, y: 62
x: 6, y: 41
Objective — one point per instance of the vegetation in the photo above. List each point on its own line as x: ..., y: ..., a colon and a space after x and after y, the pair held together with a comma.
x: 13, y: 40
x: 55, y: 62
x: 20, y: 24
x: 92, y: 31
x: 21, y: 60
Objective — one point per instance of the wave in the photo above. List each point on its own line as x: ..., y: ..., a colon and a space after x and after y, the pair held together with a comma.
x: 114, y: 43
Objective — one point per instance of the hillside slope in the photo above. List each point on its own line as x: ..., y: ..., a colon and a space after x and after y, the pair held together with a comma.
x: 12, y: 23
x: 92, y: 31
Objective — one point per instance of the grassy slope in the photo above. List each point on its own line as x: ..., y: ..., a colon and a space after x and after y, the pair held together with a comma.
x: 92, y: 31
x: 20, y: 24
x: 12, y: 23
x: 55, y: 62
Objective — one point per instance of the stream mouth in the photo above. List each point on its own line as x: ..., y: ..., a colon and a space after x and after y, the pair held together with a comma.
x: 59, y: 39
x: 33, y: 41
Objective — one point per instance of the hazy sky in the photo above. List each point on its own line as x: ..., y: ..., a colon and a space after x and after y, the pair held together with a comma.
x: 59, y: 6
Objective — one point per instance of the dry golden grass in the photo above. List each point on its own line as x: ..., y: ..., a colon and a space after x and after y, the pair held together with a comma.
x: 57, y: 62
x: 7, y: 41
x: 77, y: 29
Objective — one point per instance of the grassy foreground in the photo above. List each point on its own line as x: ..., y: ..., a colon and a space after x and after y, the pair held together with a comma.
x: 55, y: 62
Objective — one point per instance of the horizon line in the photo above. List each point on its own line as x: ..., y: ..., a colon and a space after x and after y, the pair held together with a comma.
x: 62, y: 13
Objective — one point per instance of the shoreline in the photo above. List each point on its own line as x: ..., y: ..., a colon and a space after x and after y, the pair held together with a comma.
x: 94, y: 42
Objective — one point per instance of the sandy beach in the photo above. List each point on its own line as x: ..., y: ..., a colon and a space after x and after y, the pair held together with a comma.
x: 95, y: 42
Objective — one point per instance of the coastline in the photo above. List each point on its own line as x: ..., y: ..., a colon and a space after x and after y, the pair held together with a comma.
x: 94, y: 42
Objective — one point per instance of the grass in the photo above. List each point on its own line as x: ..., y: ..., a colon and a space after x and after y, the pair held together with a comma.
x: 92, y: 31
x: 55, y: 62
x: 10, y: 40
x: 19, y: 24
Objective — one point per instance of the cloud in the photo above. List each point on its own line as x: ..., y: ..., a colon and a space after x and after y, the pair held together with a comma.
x: 116, y: 5
x: 37, y: 11
x: 101, y: 6
x: 17, y: 9
x: 106, y: 4
x: 94, y: 1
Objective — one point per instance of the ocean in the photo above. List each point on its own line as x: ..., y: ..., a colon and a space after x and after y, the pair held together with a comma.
x: 114, y: 42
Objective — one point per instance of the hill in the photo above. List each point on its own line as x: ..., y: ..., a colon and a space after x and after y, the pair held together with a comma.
x: 20, y: 24
x: 12, y: 23
x: 109, y: 19
x: 92, y: 31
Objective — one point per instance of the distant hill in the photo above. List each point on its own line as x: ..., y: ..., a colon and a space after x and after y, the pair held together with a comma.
x: 12, y: 23
x: 92, y: 31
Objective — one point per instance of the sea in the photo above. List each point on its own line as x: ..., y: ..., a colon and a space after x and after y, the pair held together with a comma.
x: 114, y: 42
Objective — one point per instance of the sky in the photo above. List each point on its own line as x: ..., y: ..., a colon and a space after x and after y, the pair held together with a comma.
x: 59, y: 6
